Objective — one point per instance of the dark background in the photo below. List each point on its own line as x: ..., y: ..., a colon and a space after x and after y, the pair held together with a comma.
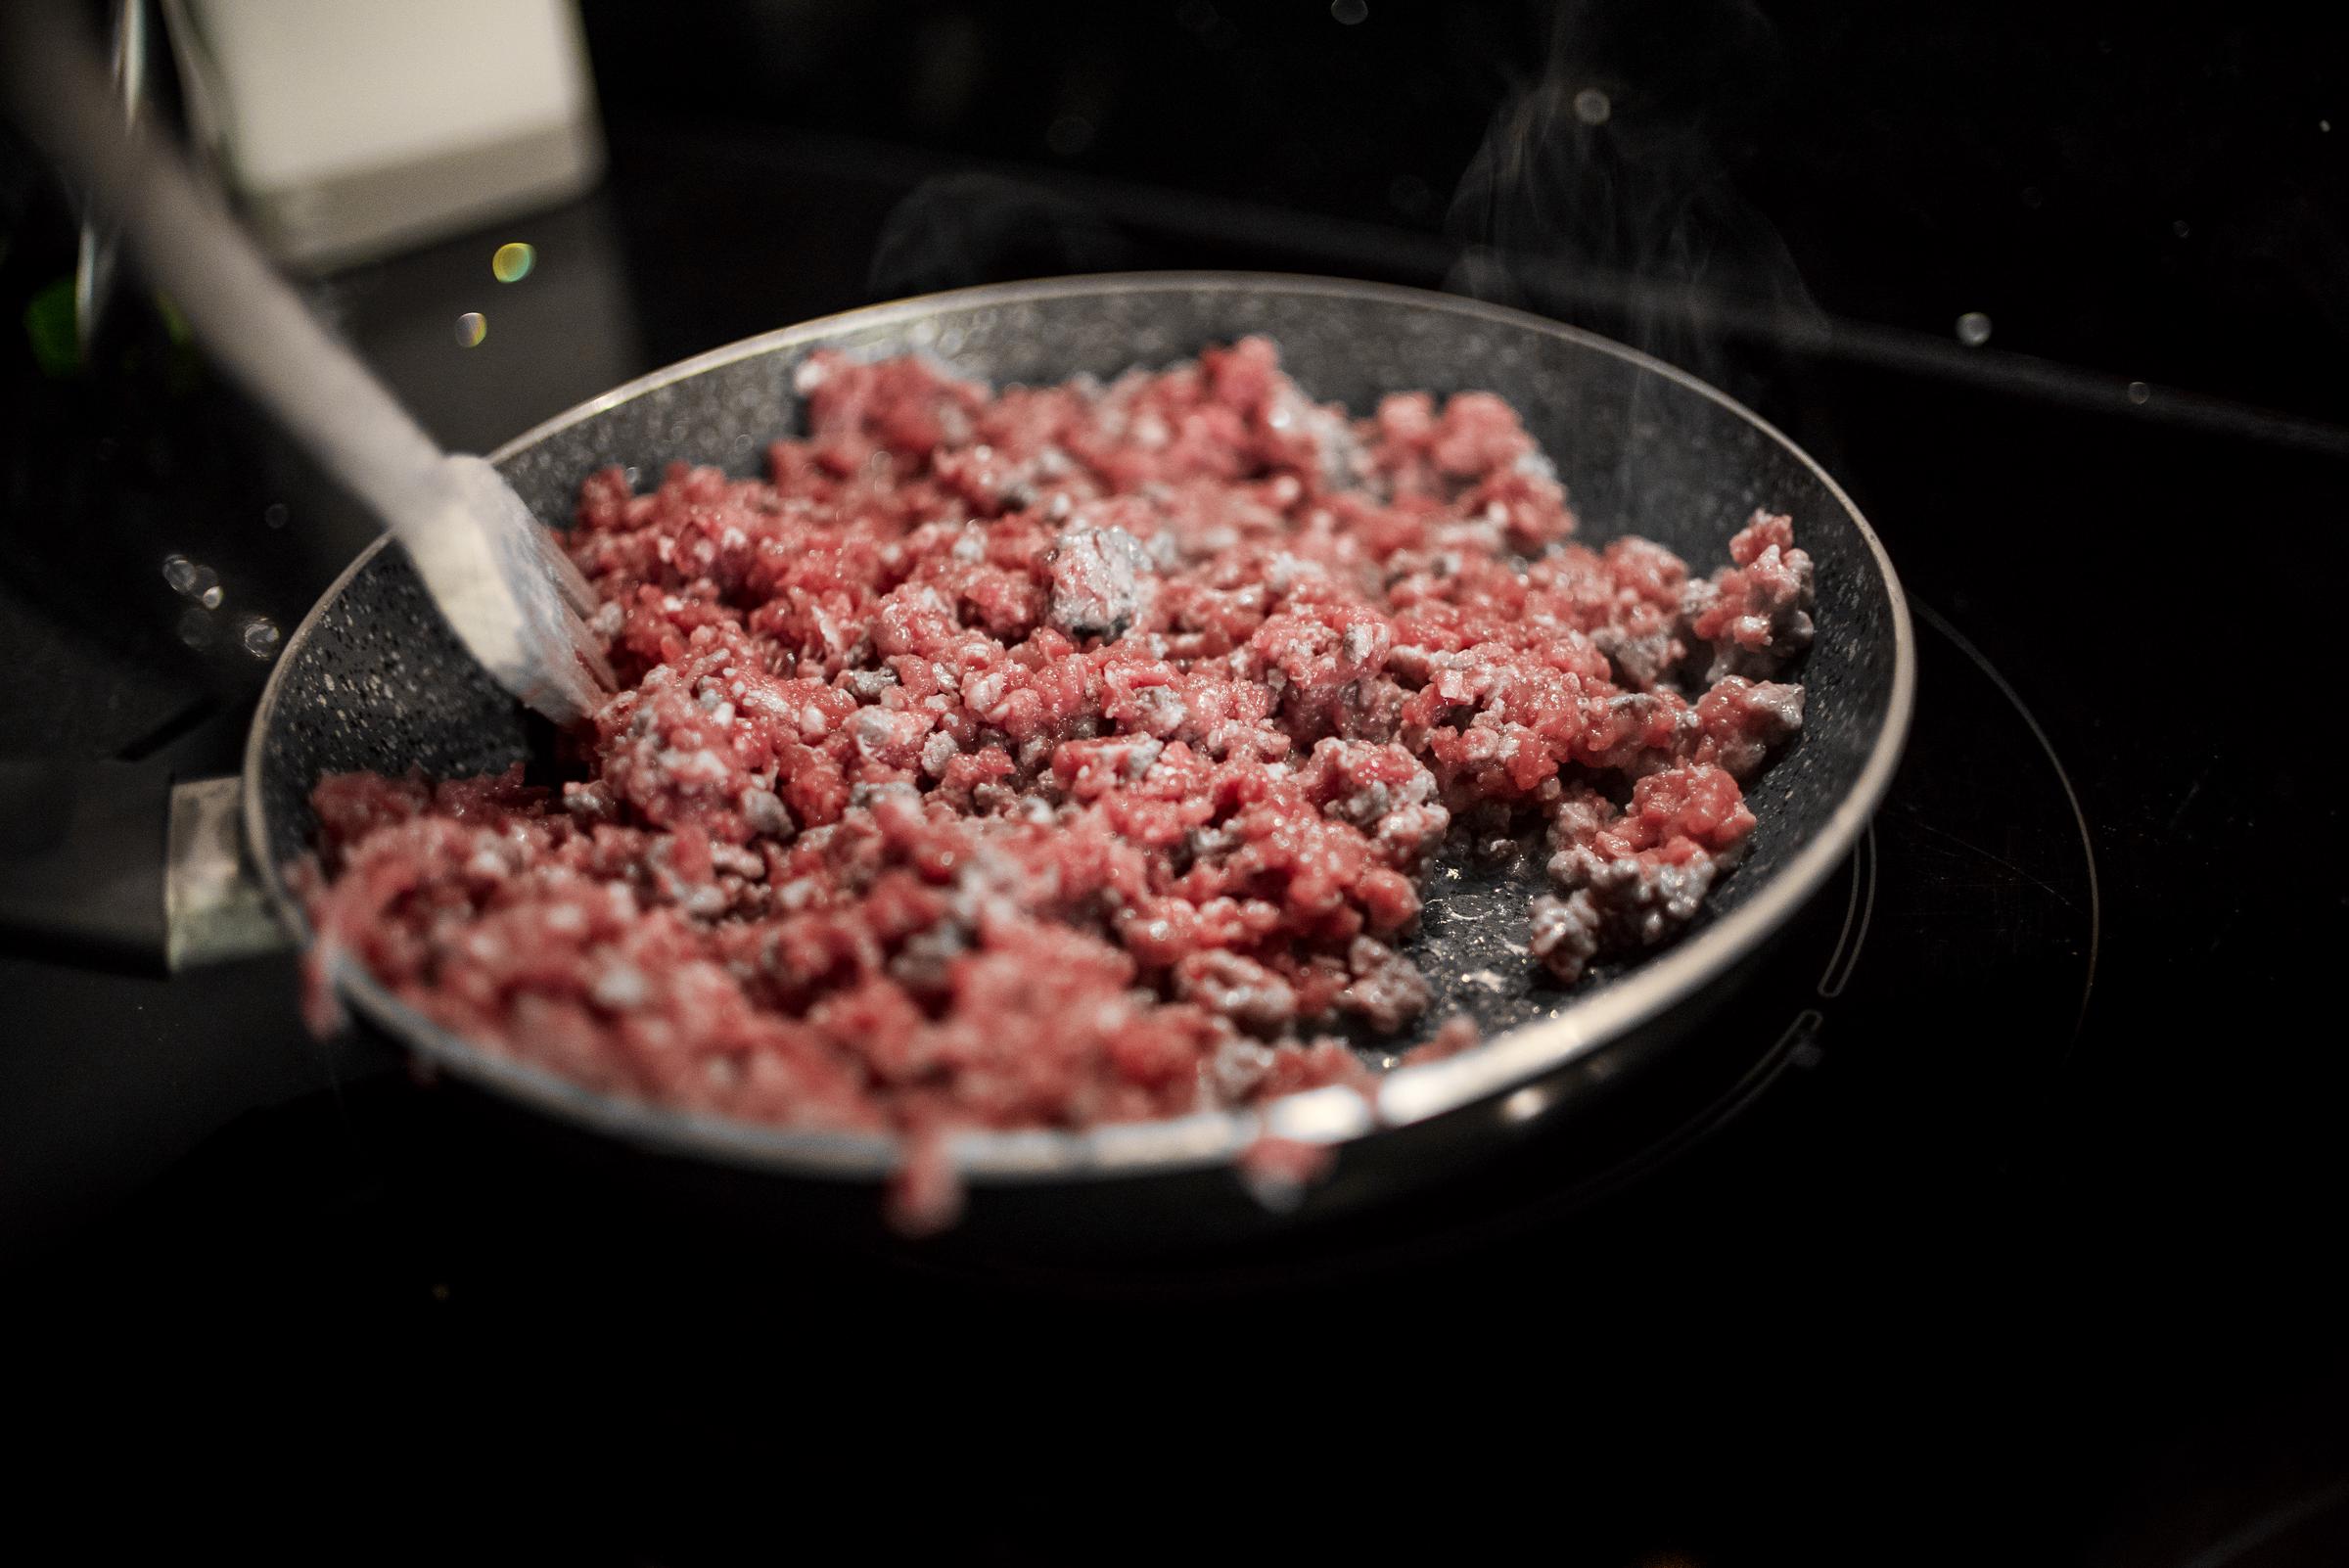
x: 2118, y: 186
x: 2107, y: 1330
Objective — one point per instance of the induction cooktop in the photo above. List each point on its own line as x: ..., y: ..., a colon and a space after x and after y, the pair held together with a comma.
x: 2005, y: 1138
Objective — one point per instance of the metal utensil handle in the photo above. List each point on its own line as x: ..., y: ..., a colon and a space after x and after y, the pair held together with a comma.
x: 94, y: 263
x: 253, y: 323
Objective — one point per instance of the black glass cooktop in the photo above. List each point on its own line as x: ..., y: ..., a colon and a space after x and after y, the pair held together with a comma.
x: 1844, y: 1069
x: 1991, y: 1224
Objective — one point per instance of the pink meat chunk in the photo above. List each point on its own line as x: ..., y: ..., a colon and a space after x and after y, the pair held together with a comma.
x: 1070, y: 755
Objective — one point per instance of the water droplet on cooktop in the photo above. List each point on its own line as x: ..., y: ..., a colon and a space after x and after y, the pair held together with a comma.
x: 1973, y: 329
x: 260, y: 637
x: 2139, y: 391
x: 1592, y: 107
x: 192, y: 579
x: 196, y: 629
x: 472, y: 328
x: 1349, y: 11
x: 2180, y: 228
x: 274, y: 513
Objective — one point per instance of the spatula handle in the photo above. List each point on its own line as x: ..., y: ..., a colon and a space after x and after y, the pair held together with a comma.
x: 252, y: 322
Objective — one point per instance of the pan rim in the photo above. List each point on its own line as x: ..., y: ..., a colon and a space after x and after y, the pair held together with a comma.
x: 1404, y: 1096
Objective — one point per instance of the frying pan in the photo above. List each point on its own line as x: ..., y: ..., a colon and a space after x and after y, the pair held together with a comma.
x: 374, y: 680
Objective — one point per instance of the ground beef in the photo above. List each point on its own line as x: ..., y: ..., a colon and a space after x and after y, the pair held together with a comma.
x: 1100, y: 582
x: 1070, y: 754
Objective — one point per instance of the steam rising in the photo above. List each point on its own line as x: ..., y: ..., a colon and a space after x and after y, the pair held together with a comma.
x: 960, y: 229
x: 1604, y: 193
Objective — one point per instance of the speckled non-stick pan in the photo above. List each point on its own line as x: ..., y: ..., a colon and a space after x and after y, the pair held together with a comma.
x: 374, y: 680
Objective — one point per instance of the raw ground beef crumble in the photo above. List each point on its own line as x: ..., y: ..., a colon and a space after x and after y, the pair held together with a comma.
x: 1069, y: 755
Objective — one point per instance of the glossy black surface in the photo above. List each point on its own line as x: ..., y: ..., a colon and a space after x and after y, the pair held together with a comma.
x: 1969, y: 1288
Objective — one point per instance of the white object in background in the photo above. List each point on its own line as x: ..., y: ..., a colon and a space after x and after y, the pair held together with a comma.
x: 502, y: 584
x: 353, y: 128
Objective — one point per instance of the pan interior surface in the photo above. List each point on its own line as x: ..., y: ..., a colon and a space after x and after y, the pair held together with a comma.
x: 374, y: 679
